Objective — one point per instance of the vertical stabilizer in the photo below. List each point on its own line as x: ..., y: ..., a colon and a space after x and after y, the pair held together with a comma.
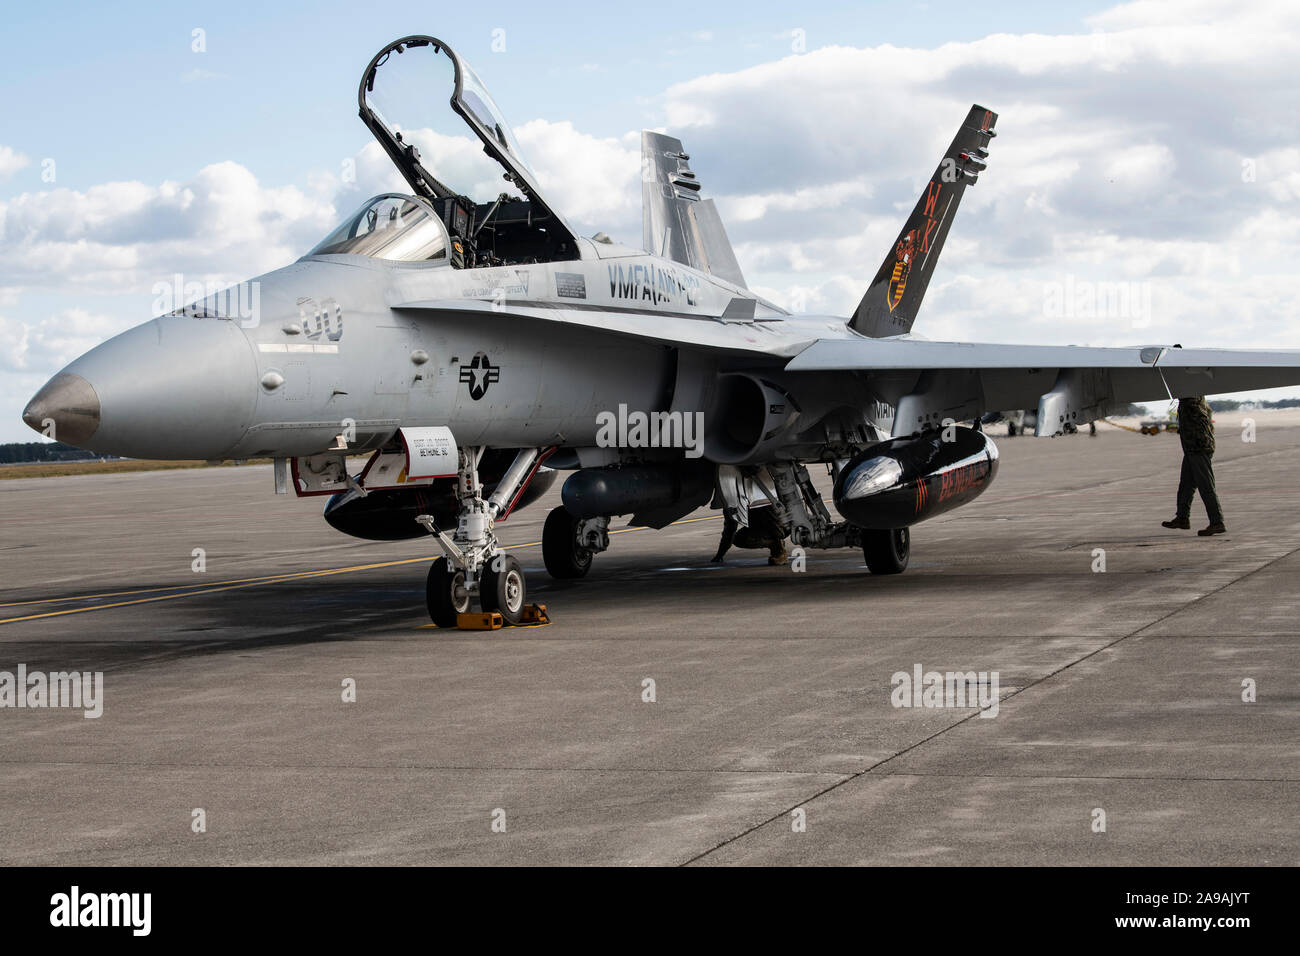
x: 894, y: 296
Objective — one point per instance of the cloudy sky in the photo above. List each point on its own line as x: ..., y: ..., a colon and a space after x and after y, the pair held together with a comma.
x: 1149, y: 151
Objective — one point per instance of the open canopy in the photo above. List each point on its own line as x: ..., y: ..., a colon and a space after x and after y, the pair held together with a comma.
x: 464, y: 160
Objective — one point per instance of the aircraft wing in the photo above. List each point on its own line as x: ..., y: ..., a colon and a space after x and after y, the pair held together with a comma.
x: 1066, y: 383
x: 759, y: 339
x: 1005, y: 369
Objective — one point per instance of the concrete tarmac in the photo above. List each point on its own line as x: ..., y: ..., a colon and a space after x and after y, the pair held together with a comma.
x: 1119, y: 692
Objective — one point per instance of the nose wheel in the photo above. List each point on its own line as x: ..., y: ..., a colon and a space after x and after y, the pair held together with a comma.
x: 503, y: 588
x: 474, y: 561
x: 445, y: 593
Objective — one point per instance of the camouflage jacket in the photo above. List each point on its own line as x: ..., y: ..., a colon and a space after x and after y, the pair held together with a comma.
x: 1195, y: 428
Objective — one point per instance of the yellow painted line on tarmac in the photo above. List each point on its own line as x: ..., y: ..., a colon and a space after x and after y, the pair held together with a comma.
x: 265, y: 579
x: 241, y: 583
x: 283, y: 576
x: 106, y: 594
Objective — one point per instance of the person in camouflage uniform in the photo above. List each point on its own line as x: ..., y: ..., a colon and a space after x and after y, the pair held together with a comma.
x: 1196, y: 432
x: 764, y: 531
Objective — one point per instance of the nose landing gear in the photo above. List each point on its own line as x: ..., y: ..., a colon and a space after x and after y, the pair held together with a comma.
x: 475, y: 563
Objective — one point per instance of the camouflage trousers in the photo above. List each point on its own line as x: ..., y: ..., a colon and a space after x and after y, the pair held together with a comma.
x: 1198, y: 475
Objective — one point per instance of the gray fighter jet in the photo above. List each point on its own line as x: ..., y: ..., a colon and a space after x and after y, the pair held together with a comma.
x: 468, y: 340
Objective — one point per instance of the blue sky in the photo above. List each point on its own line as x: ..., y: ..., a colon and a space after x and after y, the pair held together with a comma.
x: 124, y: 97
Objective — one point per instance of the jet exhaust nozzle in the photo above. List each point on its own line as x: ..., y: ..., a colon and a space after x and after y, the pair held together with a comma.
x: 902, y: 481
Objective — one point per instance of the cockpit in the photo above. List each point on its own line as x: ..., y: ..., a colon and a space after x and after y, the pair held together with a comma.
x: 393, y: 227
x: 476, y: 201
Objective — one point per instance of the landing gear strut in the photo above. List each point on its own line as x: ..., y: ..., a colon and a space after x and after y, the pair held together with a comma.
x: 475, y: 562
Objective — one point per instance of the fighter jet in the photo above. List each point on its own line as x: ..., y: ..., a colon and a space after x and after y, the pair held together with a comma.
x: 475, y: 347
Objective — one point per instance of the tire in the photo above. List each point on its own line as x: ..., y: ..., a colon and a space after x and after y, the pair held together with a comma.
x: 503, y: 588
x: 565, y: 558
x: 887, y: 552
x: 445, y: 594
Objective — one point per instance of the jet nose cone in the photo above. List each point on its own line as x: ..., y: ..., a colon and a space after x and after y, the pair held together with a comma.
x: 66, y: 409
x: 173, y: 388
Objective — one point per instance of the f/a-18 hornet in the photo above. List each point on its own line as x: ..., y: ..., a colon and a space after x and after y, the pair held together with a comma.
x: 469, y: 340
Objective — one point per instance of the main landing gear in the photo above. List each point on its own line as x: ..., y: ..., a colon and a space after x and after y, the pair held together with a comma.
x: 888, y: 551
x: 569, y: 543
x: 475, y: 563
x: 806, y: 520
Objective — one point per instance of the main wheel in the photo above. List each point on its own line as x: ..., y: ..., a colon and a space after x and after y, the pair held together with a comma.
x: 503, y: 588
x: 887, y: 552
x: 445, y: 593
x: 564, y: 557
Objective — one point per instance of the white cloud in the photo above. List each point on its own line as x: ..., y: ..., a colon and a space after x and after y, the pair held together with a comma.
x: 1122, y: 156
x: 595, y: 183
x: 757, y: 206
x: 11, y: 162
x: 124, y: 236
x: 53, y: 342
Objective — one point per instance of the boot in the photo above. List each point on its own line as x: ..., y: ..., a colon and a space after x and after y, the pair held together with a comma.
x: 1180, y: 523
x: 1215, y: 527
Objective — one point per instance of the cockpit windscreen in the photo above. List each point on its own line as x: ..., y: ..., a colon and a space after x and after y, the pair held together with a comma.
x: 389, y: 227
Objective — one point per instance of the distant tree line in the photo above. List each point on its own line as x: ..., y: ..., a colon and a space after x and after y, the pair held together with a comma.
x: 1124, y: 409
x: 1231, y: 405
x: 19, y: 452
